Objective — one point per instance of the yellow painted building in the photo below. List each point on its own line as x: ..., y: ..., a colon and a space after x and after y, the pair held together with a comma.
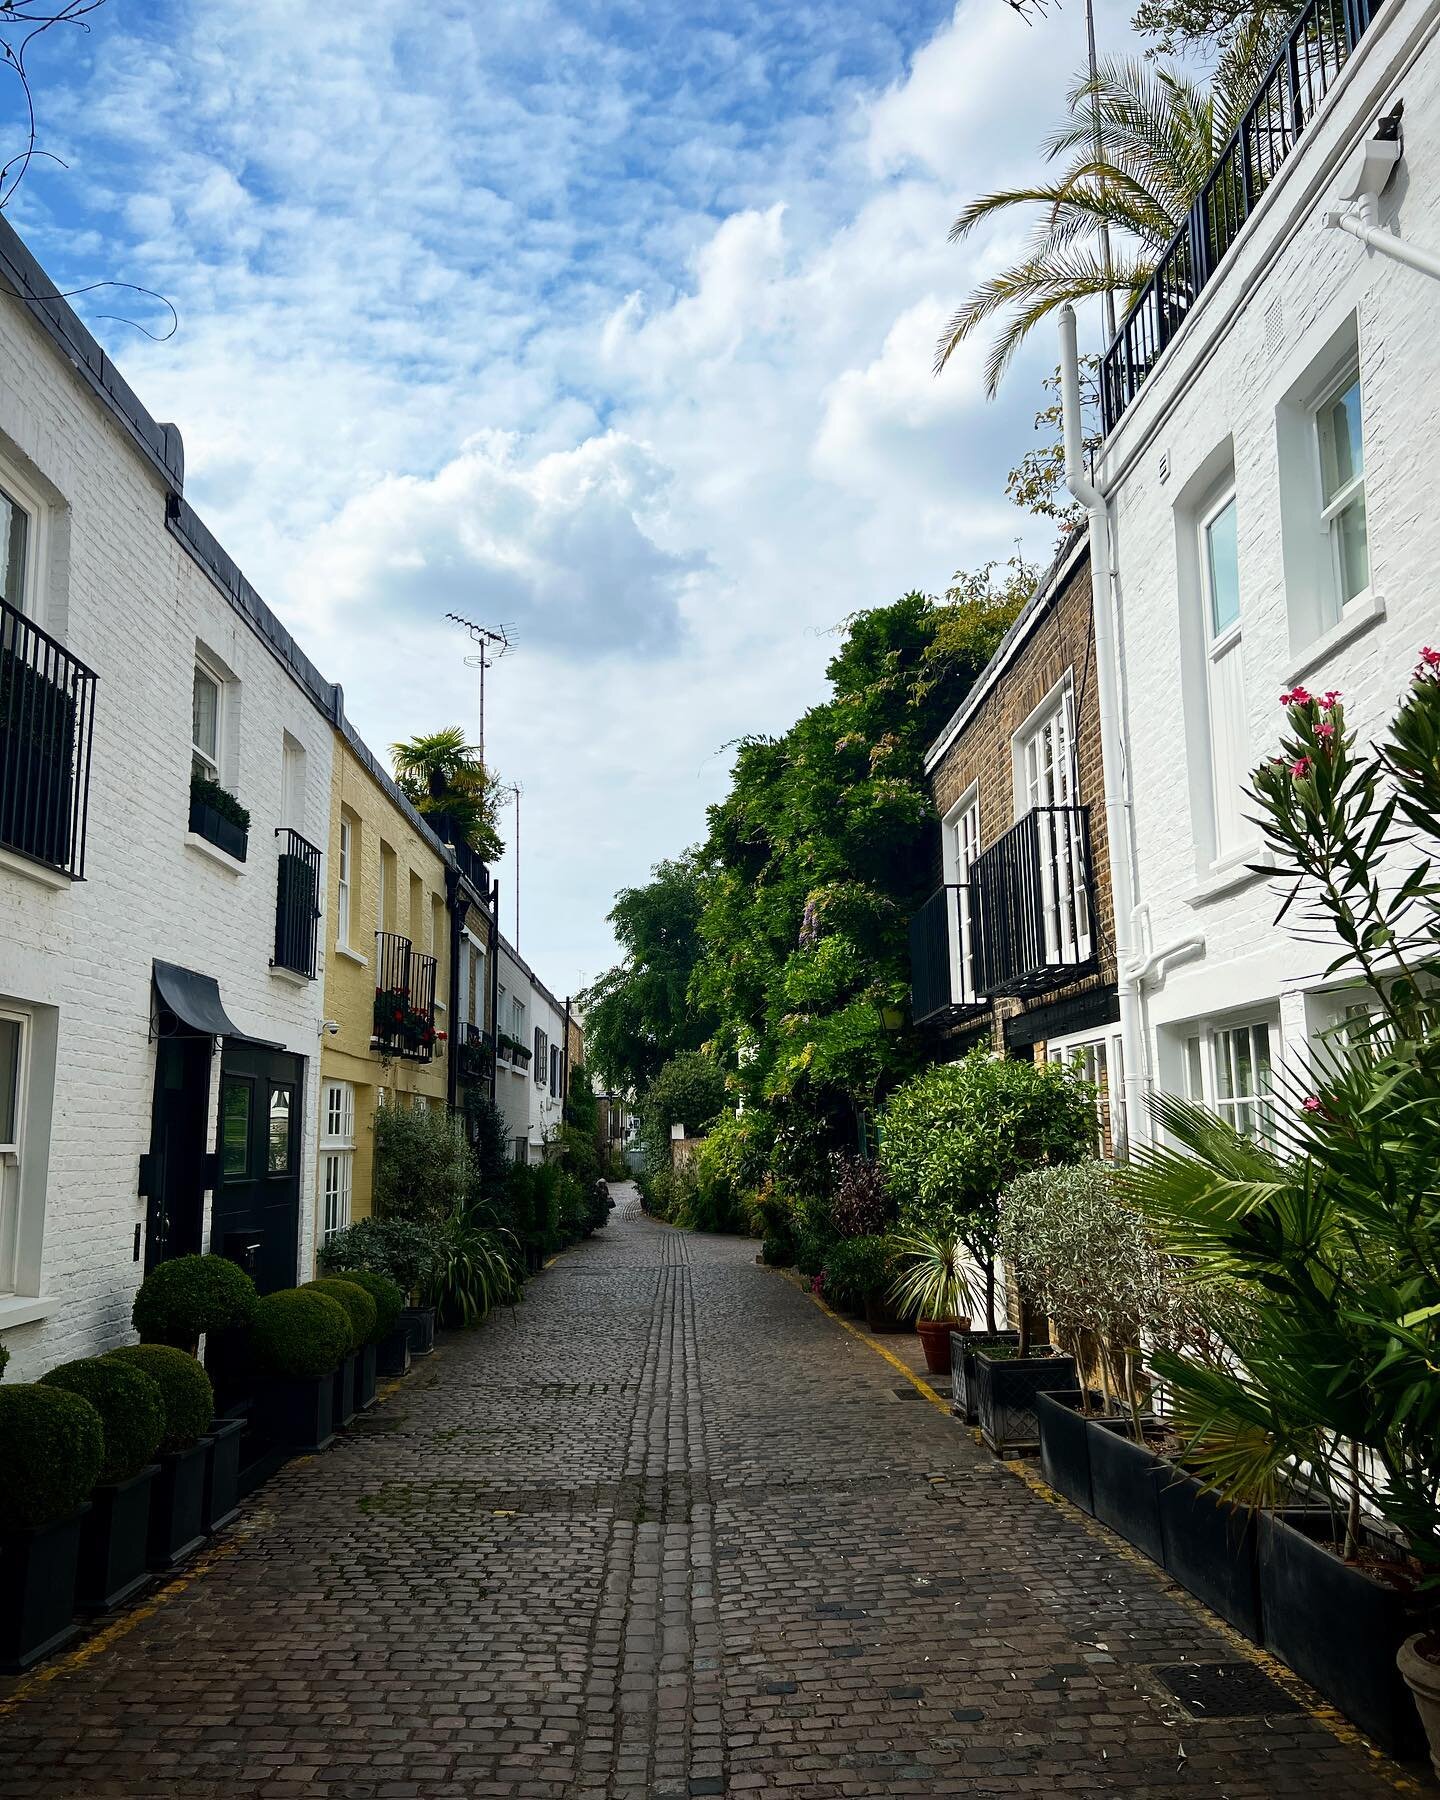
x: 387, y: 977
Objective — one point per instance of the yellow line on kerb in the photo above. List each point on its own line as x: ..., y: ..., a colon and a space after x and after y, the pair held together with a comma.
x: 1280, y: 1673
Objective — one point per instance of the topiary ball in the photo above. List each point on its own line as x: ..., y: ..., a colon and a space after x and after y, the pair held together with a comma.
x: 131, y: 1408
x: 389, y: 1301
x: 358, y: 1306
x: 299, y: 1334
x: 52, y: 1448
x: 189, y: 1295
x: 184, y: 1387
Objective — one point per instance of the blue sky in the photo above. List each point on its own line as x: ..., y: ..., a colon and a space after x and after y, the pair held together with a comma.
x: 613, y: 321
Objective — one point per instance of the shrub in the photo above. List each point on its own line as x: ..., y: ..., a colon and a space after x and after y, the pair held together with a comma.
x: 476, y: 1271
x: 779, y: 1253
x: 393, y: 1247
x: 180, y: 1299
x: 52, y: 1446
x: 574, y: 1212
x: 299, y: 1334
x: 185, y: 1390
x: 205, y: 792
x: 774, y: 1220
x: 423, y: 1166
x: 389, y: 1301
x: 862, y: 1205
x: 856, y: 1268
x: 688, y: 1091
x: 4, y: 1359
x: 354, y: 1302
x: 131, y: 1408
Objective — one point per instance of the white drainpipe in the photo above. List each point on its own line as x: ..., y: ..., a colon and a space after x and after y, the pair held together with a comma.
x: 1112, y: 738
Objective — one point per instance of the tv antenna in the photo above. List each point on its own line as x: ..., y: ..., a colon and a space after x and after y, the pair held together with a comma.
x: 493, y: 642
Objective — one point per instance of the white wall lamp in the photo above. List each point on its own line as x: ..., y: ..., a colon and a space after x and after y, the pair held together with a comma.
x: 1370, y: 172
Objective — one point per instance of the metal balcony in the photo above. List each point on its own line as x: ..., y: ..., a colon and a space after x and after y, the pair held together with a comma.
x: 297, y: 908
x: 404, y: 999
x: 1032, y: 913
x: 47, y: 723
x: 942, y: 976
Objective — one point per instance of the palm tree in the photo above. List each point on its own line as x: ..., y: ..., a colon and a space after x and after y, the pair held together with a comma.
x: 440, y: 773
x: 1160, y: 133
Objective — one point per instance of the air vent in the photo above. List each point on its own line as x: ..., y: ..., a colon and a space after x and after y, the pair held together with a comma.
x: 1274, y: 326
x: 1164, y: 466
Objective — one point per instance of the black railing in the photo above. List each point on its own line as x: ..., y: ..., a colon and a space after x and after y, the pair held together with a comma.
x: 1032, y: 914
x: 475, y: 1057
x: 297, y: 904
x: 404, y: 998
x: 1312, y: 55
x: 942, y: 976
x: 47, y: 723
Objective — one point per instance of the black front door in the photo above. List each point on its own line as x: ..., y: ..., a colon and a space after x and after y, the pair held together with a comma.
x: 178, y: 1119
x: 255, y: 1217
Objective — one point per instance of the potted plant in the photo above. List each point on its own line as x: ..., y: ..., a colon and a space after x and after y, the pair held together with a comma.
x: 177, y: 1499
x: 385, y: 1337
x: 360, y: 1314
x: 397, y: 1248
x: 963, y: 1345
x: 114, y: 1536
x: 932, y: 1286
x: 218, y: 817
x: 858, y: 1271
x: 52, y: 1448
x: 298, y: 1338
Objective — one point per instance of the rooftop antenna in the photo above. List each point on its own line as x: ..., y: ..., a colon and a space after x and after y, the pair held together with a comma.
x: 493, y: 643
x: 515, y: 788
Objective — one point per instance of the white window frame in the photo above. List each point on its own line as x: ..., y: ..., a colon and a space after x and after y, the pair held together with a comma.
x: 1340, y: 381
x: 37, y: 513
x: 198, y: 754
x: 1204, y: 1041
x: 336, y: 1156
x: 342, y: 884
x: 1051, y: 778
x: 12, y: 1158
x: 1233, y: 836
x: 960, y: 847
x: 540, y: 1073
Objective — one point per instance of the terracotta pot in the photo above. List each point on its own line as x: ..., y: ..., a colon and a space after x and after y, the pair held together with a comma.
x: 935, y: 1336
x: 1422, y: 1677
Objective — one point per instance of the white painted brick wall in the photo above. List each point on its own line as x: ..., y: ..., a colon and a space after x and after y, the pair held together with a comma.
x: 1219, y: 380
x: 132, y: 605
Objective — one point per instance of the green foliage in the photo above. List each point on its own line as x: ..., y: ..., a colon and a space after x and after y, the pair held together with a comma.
x: 442, y: 775
x: 861, y: 1204
x: 582, y: 1109
x: 777, y: 1252
x: 52, y: 1447
x: 4, y: 1360
x: 932, y: 1280
x: 389, y: 1301
x: 424, y: 1168
x: 204, y: 792
x: 476, y: 1270
x: 1183, y: 25
x: 688, y: 1091
x: 638, y: 1014
x: 299, y: 1334
x: 728, y: 1168
x: 393, y: 1247
x: 857, y: 1269
x: 490, y: 1139
x: 354, y: 1301
x: 185, y: 1390
x: 131, y: 1408
x: 180, y: 1299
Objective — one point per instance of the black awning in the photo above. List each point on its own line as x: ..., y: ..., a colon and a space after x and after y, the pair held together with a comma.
x: 194, y: 1000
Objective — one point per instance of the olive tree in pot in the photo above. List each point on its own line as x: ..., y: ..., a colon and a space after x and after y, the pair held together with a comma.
x: 1334, y: 1224
x: 52, y: 1448
x: 177, y: 1499
x: 299, y: 1338
x: 114, y: 1537
x: 360, y: 1315
x: 394, y: 1250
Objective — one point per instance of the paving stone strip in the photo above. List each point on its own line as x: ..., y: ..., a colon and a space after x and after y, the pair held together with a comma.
x: 663, y: 1530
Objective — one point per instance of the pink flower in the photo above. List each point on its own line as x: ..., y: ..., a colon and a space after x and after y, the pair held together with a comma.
x: 1301, y: 766
x: 1428, y: 667
x: 1313, y: 1104
x: 1324, y: 731
x: 1431, y: 657
x: 1329, y: 699
x: 1296, y: 697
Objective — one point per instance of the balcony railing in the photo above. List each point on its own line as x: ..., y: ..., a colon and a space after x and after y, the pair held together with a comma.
x: 942, y: 972
x: 1304, y: 70
x: 47, y: 722
x: 475, y: 1057
x: 404, y: 999
x: 1032, y: 915
x: 297, y: 910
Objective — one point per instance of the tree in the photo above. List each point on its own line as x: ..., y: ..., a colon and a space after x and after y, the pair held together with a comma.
x: 22, y: 22
x: 1180, y: 25
x: 689, y: 1091
x: 439, y: 773
x: 639, y: 1014
x: 955, y: 1135
x: 1161, y: 131
x: 424, y: 1170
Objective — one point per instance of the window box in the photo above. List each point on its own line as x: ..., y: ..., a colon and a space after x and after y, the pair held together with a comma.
x: 404, y: 1022
x: 219, y: 828
x: 114, y: 1540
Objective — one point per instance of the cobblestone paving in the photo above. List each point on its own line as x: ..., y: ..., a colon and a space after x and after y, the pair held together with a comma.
x: 665, y: 1530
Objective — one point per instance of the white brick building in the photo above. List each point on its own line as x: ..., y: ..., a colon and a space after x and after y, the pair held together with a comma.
x: 1273, y: 521
x: 528, y: 1090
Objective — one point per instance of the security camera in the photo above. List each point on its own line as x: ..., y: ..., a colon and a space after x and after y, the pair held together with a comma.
x: 331, y: 1028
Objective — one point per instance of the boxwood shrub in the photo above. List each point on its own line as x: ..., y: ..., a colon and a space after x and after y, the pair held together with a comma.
x: 184, y: 1387
x: 389, y: 1301
x: 52, y: 1448
x: 299, y: 1334
x: 354, y: 1302
x: 189, y: 1295
x: 131, y: 1408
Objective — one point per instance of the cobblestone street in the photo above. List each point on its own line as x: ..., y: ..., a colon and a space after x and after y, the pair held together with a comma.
x: 666, y: 1529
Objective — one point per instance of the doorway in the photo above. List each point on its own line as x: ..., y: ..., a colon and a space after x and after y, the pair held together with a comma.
x: 255, y: 1218
x: 176, y: 1211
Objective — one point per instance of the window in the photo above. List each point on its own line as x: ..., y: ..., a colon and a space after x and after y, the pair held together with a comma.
x: 235, y: 1127
x: 1045, y: 749
x: 292, y: 784
x: 14, y: 1048
x: 555, y: 1071
x: 1100, y: 1063
x: 205, y: 704
x: 522, y: 1150
x: 14, y: 550
x: 385, y: 904
x: 1228, y: 1069
x: 1224, y: 678
x: 277, y: 1153
x: 542, y: 1050
x: 419, y: 1103
x: 337, y: 1158
x: 1340, y: 438
x: 342, y: 886
x: 961, y: 846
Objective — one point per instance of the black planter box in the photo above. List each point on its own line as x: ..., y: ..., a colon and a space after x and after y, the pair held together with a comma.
x: 963, y: 1345
x: 115, y: 1543
x: 222, y: 1473
x: 298, y: 1415
x: 177, y: 1505
x: 1338, y: 1627
x: 37, y: 1590
x: 1125, y: 1482
x: 1005, y: 1390
x: 419, y: 1323
x: 1210, y: 1547
x: 342, y: 1407
x: 1065, y: 1445
x: 216, y: 829
x: 392, y: 1354
x: 366, y: 1368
